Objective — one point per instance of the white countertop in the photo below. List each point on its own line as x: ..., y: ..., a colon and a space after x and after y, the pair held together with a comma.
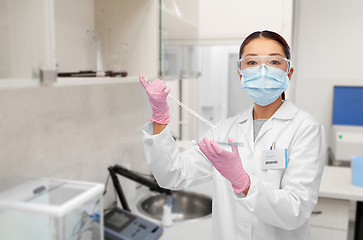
x: 337, y: 183
x: 200, y: 229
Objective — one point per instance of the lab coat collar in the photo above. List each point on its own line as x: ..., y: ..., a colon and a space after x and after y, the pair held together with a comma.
x: 246, y: 115
x: 287, y: 111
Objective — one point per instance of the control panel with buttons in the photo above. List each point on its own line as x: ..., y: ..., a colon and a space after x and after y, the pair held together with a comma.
x: 123, y: 225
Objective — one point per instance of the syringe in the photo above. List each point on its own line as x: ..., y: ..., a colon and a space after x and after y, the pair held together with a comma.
x: 188, y: 109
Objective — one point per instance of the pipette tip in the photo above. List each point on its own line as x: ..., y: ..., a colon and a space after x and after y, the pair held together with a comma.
x: 238, y: 144
x: 170, y: 199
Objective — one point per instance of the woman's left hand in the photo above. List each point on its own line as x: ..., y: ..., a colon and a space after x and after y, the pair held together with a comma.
x: 229, y: 164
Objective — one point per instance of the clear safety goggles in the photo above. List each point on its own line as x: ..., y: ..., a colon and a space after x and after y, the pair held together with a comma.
x: 273, y: 61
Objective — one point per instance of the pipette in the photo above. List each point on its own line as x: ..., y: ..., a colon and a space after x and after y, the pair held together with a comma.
x: 238, y: 144
x: 188, y: 109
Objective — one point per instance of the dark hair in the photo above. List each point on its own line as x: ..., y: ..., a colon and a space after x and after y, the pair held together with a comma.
x: 269, y: 35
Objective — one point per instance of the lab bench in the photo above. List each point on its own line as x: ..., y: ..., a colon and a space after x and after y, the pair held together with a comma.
x: 330, y: 218
x: 200, y: 229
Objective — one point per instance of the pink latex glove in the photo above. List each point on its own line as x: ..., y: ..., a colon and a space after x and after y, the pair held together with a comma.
x: 157, y: 91
x: 229, y: 164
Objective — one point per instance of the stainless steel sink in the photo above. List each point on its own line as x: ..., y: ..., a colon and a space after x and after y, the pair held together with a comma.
x: 186, y: 206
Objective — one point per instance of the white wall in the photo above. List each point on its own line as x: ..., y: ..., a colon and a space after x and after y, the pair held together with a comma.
x: 327, y: 51
x: 73, y: 132
x: 230, y: 21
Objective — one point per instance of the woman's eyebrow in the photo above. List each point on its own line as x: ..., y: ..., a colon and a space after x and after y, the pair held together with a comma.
x: 275, y: 54
x: 272, y: 54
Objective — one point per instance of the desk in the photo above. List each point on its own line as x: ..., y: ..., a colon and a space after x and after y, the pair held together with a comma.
x: 336, y: 187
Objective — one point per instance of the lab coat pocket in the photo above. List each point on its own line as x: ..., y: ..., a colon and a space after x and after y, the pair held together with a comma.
x: 273, y: 176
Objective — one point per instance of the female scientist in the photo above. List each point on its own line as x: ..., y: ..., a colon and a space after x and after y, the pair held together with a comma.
x: 266, y: 189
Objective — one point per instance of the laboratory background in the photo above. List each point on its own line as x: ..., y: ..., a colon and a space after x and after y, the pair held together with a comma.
x: 71, y: 104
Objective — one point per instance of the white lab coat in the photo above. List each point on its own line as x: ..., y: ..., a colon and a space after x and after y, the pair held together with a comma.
x: 279, y: 202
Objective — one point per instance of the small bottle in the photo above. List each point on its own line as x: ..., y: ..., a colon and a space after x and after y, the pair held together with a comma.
x: 167, y: 219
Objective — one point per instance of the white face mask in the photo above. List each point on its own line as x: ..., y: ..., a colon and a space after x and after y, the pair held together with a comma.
x: 264, y: 83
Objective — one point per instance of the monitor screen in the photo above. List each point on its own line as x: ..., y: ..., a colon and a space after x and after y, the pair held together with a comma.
x: 117, y: 220
x: 348, y: 105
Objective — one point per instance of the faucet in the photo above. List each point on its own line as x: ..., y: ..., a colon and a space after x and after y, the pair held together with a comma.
x: 152, y: 185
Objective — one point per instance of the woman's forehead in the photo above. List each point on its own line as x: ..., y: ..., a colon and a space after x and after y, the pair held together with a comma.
x: 263, y: 46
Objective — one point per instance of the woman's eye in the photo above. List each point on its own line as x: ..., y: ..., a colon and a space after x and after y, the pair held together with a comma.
x: 251, y: 63
x: 274, y: 62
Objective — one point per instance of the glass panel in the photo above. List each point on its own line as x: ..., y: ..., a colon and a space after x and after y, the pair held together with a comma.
x: 80, y: 223
x: 26, y: 39
x: 40, y: 191
x: 23, y: 225
x: 79, y: 219
x: 179, y: 31
x: 112, y: 36
x: 181, y: 61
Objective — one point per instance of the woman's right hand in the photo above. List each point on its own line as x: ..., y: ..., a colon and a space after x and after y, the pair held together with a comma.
x: 157, y: 92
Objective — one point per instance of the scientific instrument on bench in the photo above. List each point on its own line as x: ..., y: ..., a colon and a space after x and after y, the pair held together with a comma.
x: 347, y: 128
x: 121, y: 224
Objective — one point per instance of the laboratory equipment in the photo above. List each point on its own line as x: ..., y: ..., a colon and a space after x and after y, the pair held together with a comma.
x: 347, y: 129
x: 185, y: 206
x: 346, y: 141
x: 49, y: 209
x: 167, y: 219
x: 123, y: 225
x: 238, y: 144
x: 188, y: 109
x: 117, y: 169
x: 357, y: 170
x: 93, y: 74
